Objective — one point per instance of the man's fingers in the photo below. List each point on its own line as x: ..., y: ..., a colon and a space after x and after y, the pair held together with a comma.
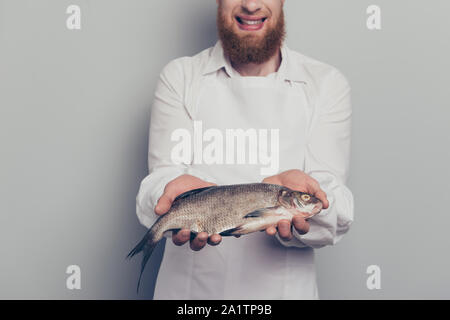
x: 322, y: 196
x: 181, y: 237
x: 163, y: 204
x: 284, y: 230
x: 300, y: 224
x: 214, y: 240
x: 315, y: 190
x: 271, y: 231
x: 199, y: 241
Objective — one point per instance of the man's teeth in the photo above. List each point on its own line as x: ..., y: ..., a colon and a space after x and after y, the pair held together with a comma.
x: 251, y: 22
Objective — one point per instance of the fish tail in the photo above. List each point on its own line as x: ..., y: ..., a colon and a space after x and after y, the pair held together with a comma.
x: 139, y: 247
x: 146, y: 246
x: 147, y: 252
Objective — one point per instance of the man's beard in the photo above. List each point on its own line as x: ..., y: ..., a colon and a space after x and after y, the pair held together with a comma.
x: 246, y: 49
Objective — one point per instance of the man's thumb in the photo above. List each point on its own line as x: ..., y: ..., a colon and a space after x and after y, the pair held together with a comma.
x: 163, y: 205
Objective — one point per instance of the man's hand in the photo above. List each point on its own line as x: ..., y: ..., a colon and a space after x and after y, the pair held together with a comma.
x: 295, y: 180
x: 173, y: 189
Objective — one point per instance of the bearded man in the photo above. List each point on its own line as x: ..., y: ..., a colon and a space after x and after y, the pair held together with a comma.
x: 250, y: 80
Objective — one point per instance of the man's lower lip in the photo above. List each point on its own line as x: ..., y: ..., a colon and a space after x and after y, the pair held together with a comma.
x: 250, y: 27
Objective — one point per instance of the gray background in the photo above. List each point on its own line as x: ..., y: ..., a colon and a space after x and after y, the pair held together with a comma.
x: 75, y: 109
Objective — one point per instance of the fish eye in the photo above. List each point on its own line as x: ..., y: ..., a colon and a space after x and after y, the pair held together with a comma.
x: 306, y: 197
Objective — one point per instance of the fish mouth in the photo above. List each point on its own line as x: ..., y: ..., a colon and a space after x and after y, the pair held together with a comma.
x: 311, y: 210
x: 317, y: 208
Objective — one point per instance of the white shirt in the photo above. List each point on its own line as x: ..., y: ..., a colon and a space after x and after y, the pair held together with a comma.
x: 309, y: 102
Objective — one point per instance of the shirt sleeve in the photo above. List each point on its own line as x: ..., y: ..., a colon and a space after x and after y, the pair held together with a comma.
x: 327, y: 161
x: 168, y: 114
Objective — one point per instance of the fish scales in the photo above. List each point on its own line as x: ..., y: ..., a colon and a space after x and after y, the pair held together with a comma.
x: 218, y: 209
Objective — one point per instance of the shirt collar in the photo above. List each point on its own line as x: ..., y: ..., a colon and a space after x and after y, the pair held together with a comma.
x: 290, y: 68
x: 217, y: 60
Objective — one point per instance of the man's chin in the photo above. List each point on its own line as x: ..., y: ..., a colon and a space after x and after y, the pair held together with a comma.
x: 250, y: 46
x: 252, y: 39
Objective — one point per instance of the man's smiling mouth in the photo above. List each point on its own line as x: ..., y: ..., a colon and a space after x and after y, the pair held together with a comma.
x: 250, y: 23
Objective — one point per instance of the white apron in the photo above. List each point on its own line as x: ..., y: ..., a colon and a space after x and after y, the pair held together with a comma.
x: 254, y: 266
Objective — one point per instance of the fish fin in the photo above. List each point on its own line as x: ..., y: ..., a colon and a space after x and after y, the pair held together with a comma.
x: 146, y: 246
x: 260, y: 212
x: 192, y: 192
x: 168, y: 233
x: 230, y: 232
